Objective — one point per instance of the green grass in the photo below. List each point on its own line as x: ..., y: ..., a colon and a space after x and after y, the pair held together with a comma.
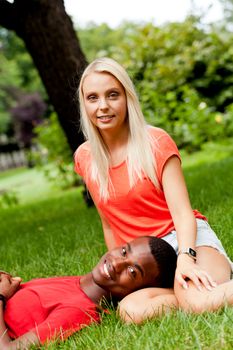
x: 55, y: 234
x: 28, y: 184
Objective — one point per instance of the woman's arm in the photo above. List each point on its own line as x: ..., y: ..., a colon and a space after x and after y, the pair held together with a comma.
x: 108, y: 235
x: 178, y: 202
x: 8, y: 286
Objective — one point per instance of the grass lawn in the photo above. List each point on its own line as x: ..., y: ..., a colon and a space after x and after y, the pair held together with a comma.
x: 28, y: 184
x: 53, y: 233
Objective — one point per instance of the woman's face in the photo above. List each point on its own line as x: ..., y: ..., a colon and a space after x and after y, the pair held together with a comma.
x: 105, y: 102
x: 127, y: 268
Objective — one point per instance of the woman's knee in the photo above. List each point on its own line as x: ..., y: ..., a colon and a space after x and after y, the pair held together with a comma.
x: 215, y: 263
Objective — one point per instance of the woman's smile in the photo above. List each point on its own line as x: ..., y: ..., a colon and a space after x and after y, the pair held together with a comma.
x: 105, y: 118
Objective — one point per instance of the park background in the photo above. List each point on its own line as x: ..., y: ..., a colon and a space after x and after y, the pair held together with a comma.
x: 183, y: 72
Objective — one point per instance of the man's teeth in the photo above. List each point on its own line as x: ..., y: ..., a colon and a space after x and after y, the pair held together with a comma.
x: 106, y: 270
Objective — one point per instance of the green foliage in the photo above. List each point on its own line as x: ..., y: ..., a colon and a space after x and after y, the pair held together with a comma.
x: 183, y: 75
x: 182, y: 71
x: 91, y: 43
x: 17, y: 74
x: 29, y: 184
x: 8, y: 199
x: 54, y: 153
x: 8, y: 78
x: 14, y: 51
x: 228, y: 10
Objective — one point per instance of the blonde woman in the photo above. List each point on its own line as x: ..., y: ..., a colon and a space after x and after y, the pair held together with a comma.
x: 133, y: 173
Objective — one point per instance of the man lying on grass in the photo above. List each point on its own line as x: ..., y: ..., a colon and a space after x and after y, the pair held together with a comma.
x: 45, y: 309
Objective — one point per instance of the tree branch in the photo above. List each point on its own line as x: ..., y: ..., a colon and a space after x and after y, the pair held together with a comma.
x: 8, y: 15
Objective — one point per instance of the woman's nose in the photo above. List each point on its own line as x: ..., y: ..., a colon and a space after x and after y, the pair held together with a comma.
x: 103, y: 104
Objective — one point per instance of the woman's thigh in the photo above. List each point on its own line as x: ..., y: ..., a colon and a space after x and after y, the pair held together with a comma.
x: 217, y: 265
x: 206, y: 237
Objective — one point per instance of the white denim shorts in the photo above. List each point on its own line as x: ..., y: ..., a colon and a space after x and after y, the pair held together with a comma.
x: 205, y: 237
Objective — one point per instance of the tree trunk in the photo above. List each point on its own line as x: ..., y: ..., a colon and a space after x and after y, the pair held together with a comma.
x: 49, y: 36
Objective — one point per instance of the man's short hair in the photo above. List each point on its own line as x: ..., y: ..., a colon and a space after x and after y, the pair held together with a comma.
x: 166, y: 258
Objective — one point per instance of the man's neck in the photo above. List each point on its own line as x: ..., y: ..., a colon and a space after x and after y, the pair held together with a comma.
x: 91, y: 289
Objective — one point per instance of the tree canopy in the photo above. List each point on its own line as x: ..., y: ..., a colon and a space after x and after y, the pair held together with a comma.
x: 183, y: 72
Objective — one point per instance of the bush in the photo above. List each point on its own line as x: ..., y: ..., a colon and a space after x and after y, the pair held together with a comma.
x: 8, y: 199
x: 54, y: 154
x: 182, y: 72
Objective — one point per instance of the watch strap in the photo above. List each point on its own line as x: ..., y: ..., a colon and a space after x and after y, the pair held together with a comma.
x: 190, y: 252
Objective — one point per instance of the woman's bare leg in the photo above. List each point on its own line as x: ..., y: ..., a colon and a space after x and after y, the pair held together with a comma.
x: 218, y: 267
x: 152, y: 302
x: 146, y: 304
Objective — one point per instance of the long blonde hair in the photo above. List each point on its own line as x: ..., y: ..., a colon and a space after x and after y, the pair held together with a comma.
x: 140, y: 159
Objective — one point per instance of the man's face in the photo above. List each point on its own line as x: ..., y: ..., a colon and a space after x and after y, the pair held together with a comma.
x: 127, y: 268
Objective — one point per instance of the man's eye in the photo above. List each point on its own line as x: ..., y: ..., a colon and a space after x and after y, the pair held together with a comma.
x: 123, y: 251
x: 132, y: 271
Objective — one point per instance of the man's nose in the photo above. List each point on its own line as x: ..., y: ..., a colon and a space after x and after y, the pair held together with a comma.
x: 120, y: 264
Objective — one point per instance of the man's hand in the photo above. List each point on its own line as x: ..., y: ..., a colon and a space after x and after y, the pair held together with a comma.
x: 8, y: 285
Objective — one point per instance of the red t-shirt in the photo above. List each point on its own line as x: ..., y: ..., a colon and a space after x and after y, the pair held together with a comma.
x: 141, y: 210
x: 50, y: 307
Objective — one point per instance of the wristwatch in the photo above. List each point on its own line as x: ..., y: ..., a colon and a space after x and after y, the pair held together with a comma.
x: 190, y: 252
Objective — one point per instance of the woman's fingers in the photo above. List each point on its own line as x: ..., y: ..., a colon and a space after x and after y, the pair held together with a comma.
x: 189, y: 276
x: 205, y: 279
x: 200, y: 279
x: 181, y: 280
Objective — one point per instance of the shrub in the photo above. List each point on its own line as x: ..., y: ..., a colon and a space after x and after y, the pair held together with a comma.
x: 8, y: 199
x: 183, y: 74
x: 54, y: 154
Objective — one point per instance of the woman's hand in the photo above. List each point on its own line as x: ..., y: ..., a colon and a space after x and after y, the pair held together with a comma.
x: 8, y: 285
x: 187, y: 269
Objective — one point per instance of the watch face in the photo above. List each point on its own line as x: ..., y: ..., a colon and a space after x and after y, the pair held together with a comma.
x: 192, y: 252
